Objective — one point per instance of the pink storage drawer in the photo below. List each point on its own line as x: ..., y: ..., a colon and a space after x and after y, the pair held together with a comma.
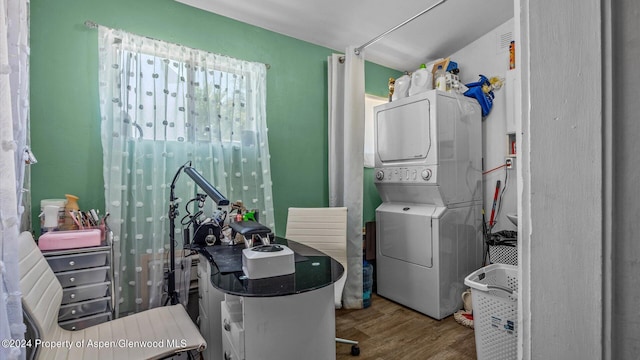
x: 59, y: 240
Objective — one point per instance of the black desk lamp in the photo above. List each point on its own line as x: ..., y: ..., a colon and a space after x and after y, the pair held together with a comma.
x: 213, y: 193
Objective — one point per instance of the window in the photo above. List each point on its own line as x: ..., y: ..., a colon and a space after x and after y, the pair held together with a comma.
x: 370, y: 101
x: 162, y: 106
x: 176, y: 101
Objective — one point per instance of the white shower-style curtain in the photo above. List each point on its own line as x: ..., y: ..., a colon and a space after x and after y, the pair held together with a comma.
x: 14, y: 100
x: 346, y: 159
x: 163, y: 105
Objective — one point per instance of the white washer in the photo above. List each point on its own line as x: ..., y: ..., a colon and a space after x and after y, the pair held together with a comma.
x: 423, y: 254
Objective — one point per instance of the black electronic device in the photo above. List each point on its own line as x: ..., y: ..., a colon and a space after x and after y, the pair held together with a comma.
x: 207, y: 234
x: 250, y: 230
x: 215, y: 195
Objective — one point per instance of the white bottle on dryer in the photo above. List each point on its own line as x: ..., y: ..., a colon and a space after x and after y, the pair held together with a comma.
x: 401, y: 88
x: 421, y: 81
x: 440, y: 79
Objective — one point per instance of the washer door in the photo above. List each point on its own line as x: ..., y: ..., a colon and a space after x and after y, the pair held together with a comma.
x: 405, y: 232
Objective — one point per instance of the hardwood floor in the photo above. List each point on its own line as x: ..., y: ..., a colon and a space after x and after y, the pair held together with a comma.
x: 389, y: 331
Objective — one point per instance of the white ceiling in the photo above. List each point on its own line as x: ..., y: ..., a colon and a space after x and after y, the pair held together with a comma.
x: 336, y: 24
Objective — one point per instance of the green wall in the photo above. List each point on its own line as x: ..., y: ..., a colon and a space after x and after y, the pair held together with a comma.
x: 65, y: 117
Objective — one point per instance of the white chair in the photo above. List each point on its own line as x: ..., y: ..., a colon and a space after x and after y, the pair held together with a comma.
x: 169, y: 328
x: 324, y: 229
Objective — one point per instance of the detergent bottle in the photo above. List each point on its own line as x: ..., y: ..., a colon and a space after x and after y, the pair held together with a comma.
x: 421, y: 80
x: 401, y: 87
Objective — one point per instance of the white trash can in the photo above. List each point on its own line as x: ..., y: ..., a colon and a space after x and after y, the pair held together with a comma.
x: 494, y: 296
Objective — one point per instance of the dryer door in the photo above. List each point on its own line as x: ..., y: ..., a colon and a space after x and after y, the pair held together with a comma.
x: 405, y: 232
x: 402, y: 131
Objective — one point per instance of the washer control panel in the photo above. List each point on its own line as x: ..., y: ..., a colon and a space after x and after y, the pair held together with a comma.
x: 412, y: 174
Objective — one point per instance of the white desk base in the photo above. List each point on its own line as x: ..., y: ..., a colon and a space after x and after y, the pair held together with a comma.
x: 292, y: 327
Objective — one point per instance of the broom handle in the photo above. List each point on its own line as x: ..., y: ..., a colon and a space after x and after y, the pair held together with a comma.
x: 493, y: 207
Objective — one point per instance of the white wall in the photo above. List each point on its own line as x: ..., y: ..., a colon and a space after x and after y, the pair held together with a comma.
x: 563, y: 204
x: 485, y: 56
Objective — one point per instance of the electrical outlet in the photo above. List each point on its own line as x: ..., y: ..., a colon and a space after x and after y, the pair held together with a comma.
x: 508, y: 163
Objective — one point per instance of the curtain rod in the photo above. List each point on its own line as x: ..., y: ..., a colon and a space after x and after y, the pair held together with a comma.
x: 92, y: 25
x: 363, y: 46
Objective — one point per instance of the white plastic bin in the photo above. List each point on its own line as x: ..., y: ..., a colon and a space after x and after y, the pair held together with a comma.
x: 494, y: 291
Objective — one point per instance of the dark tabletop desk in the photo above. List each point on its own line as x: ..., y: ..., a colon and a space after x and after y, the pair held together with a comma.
x: 314, y: 270
x: 243, y: 318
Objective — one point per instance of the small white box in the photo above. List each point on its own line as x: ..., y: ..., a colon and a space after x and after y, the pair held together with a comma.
x: 265, y: 261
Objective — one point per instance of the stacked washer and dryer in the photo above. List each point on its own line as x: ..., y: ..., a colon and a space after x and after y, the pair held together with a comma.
x: 428, y: 162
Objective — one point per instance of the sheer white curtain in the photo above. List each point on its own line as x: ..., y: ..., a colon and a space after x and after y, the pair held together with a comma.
x: 14, y: 96
x: 162, y: 105
x: 346, y: 159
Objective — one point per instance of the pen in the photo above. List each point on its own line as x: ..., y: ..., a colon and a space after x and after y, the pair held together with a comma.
x: 73, y: 216
x: 83, y: 220
x: 104, y: 219
x: 94, y: 216
x: 90, y: 218
x: 80, y: 216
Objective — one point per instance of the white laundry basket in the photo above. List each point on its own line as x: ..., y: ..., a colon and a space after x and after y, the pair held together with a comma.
x: 495, y: 311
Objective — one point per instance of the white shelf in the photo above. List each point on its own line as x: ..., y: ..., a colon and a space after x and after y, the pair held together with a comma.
x: 511, y: 86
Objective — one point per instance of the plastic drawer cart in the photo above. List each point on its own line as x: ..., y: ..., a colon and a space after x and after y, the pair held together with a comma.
x: 495, y: 311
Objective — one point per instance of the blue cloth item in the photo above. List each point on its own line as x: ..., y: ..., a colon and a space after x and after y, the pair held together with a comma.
x: 475, y: 91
